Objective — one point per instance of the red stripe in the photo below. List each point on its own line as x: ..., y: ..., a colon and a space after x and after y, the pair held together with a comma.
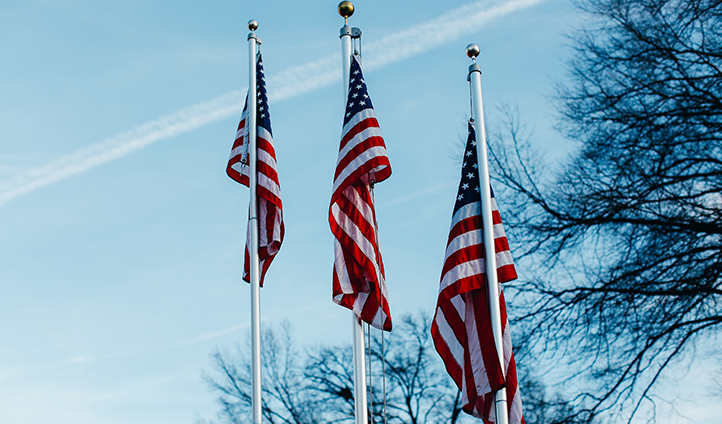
x: 365, y: 269
x: 452, y: 367
x: 351, y: 249
x: 466, y: 225
x: 369, y: 122
x: 472, y: 288
x: 368, y: 229
x: 270, y: 209
x: 485, y: 335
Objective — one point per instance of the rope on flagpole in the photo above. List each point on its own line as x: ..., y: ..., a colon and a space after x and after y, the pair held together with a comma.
x: 383, y: 372
x: 368, y: 372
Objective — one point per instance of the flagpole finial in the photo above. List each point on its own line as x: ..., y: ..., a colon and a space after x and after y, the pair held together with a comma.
x: 253, y: 24
x: 472, y: 50
x: 345, y: 9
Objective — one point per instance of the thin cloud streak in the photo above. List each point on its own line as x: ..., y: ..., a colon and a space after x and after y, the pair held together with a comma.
x: 215, y: 334
x: 287, y: 84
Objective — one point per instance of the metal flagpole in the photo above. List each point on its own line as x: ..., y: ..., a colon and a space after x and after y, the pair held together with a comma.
x: 472, y: 50
x: 346, y: 9
x: 253, y: 42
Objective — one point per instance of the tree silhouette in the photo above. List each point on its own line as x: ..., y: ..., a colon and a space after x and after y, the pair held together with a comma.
x: 626, y: 237
x: 316, y: 385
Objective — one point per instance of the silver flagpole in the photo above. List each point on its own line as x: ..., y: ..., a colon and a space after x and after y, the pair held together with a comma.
x: 253, y: 42
x: 346, y: 9
x: 472, y: 50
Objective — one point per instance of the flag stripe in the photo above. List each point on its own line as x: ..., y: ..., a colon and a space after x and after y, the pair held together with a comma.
x: 358, y: 275
x: 461, y: 328
x: 271, y: 228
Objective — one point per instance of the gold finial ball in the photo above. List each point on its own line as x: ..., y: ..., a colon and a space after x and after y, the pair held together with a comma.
x: 253, y: 24
x: 345, y: 9
x: 472, y: 50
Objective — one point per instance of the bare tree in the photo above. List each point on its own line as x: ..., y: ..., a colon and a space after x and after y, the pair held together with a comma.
x: 627, y: 236
x: 419, y: 390
x: 329, y: 371
x: 286, y: 395
x: 316, y: 385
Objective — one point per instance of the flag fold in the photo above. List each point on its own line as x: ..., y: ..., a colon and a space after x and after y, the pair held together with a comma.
x: 270, y: 210
x: 358, y: 273
x: 461, y: 328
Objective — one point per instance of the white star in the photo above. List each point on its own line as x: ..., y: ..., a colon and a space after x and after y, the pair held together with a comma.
x: 263, y: 115
x: 362, y: 80
x: 465, y: 186
x: 348, y: 114
x: 260, y: 108
x: 355, y: 72
x: 354, y: 95
x: 459, y: 197
x: 473, y: 143
x: 358, y: 87
x: 476, y: 188
x: 475, y: 166
x: 464, y: 165
x: 362, y: 103
x: 350, y: 105
x: 366, y: 96
x: 470, y: 175
x: 468, y: 153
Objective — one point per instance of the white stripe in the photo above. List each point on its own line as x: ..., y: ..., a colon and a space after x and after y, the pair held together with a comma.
x: 356, y: 119
x: 478, y: 368
x: 504, y: 258
x: 352, y: 230
x: 380, y: 316
x: 340, y: 268
x: 464, y: 240
x: 360, y: 302
x: 241, y: 150
x: 357, y: 163
x: 515, y: 414
x: 466, y: 211
x: 240, y: 168
x: 460, y: 271
x: 499, y: 231
x: 357, y: 139
x: 262, y: 216
x: 447, y: 334
x: 270, y: 184
x: 264, y: 134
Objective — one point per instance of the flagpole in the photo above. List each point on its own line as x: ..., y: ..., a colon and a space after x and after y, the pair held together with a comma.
x: 253, y: 42
x: 472, y: 50
x: 346, y: 9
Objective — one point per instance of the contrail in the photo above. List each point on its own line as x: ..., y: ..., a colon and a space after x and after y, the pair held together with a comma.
x: 289, y: 83
x: 215, y: 334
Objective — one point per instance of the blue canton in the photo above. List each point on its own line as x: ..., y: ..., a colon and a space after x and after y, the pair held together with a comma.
x: 358, y: 95
x: 469, y: 185
x: 263, y: 115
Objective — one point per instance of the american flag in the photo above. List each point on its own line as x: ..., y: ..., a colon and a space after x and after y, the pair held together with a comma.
x: 461, y: 328
x: 270, y: 210
x: 358, y: 272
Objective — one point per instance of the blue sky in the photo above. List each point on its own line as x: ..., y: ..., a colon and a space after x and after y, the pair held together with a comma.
x: 121, y: 237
